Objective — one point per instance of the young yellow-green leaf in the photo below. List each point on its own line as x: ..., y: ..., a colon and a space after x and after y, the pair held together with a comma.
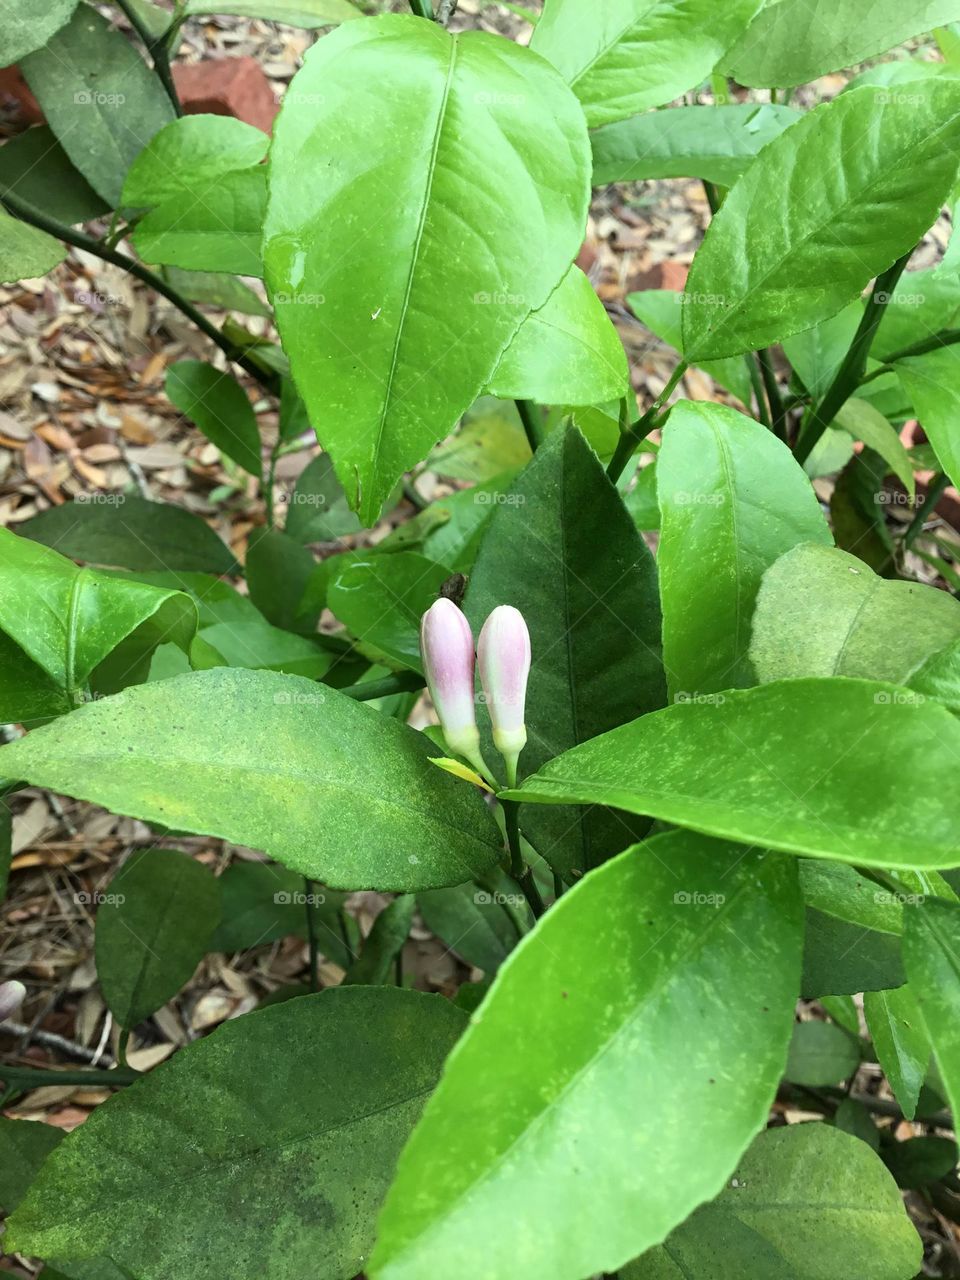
x: 69, y: 620
x: 216, y: 228
x: 792, y: 41
x: 732, y: 501
x: 297, y: 13
x: 567, y: 352
x: 870, y: 171
x: 900, y: 1039
x: 823, y: 612
x: 394, y: 295
x: 153, y: 926
x: 612, y: 1104
x: 848, y: 769
x: 216, y: 1164
x: 806, y: 1202
x: 715, y: 143
x: 275, y: 762
x: 188, y: 154
x: 933, y: 384
x: 25, y: 251
x: 214, y: 400
x: 931, y: 955
x: 99, y: 97
x: 865, y: 422
x: 563, y: 549
x: 626, y: 55
x: 29, y: 24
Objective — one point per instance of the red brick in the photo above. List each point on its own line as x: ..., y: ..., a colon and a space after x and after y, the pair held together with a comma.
x: 227, y: 87
x: 15, y: 92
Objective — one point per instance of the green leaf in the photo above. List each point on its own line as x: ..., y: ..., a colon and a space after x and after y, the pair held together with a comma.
x: 153, y: 927
x: 845, y: 959
x: 919, y: 1161
x: 24, y: 1145
x: 842, y: 1009
x: 853, y: 1117
x: 258, y: 646
x: 27, y: 693
x: 98, y: 95
x: 602, y: 996
x: 807, y: 1202
x: 846, y: 771
x: 277, y: 570
x: 131, y: 533
x: 822, y: 612
x: 217, y: 404
x: 933, y: 384
x: 277, y: 763
x: 816, y: 354
x: 298, y: 13
x: 219, y: 230
x: 713, y: 143
x: 864, y: 422
x: 29, y: 25
x: 26, y: 252
x: 923, y: 303
x: 931, y: 955
x: 732, y: 501
x: 375, y: 964
x: 35, y: 168
x: 939, y: 677
x: 821, y: 1053
x: 661, y: 311
x: 306, y: 1148
x: 380, y: 599
x: 628, y: 55
x: 839, y: 890
x: 900, y: 1039
x: 563, y: 549
x: 69, y: 620
x: 318, y: 510
x: 567, y: 352
x: 259, y: 902
x: 490, y: 442
x: 189, y: 153
x: 391, y: 340
x: 789, y: 42
x: 768, y: 269
x: 476, y: 922
x: 217, y: 289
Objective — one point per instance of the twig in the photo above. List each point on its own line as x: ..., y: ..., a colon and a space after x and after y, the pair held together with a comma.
x: 532, y: 420
x: 50, y: 1039
x: 156, y: 47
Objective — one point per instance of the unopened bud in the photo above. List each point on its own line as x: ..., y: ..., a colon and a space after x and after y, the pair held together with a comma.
x: 446, y: 646
x: 504, y: 655
x: 11, y: 998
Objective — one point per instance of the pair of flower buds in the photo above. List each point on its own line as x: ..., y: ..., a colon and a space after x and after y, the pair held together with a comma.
x: 503, y: 654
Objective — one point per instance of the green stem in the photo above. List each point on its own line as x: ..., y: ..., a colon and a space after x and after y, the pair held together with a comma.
x: 156, y: 47
x: 413, y: 497
x: 532, y: 420
x: 945, y: 338
x: 401, y: 682
x: 756, y: 382
x: 847, y: 377
x: 270, y: 484
x: 778, y: 415
x: 511, y: 820
x: 639, y: 430
x: 935, y: 492
x: 80, y: 240
x: 532, y: 894
x: 309, y: 887
x: 422, y: 8
x: 34, y: 1077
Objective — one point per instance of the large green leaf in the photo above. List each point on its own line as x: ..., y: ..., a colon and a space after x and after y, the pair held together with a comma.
x: 807, y: 1202
x: 213, y: 1165
x: 714, y: 143
x: 847, y: 769
x: 24, y: 251
x: 612, y: 1101
x: 900, y: 1039
x: 24, y: 1145
x: 567, y: 352
x: 298, y: 13
x: 863, y: 421
x: 792, y: 41
x: 189, y: 153
x: 823, y: 612
x: 215, y: 401
x: 394, y: 295
x: 768, y: 269
x: 34, y: 167
x: 939, y: 677
x: 29, y: 24
x: 69, y: 620
x: 478, y: 924
x: 933, y: 384
x: 626, y: 55
x: 131, y: 533
x: 845, y: 959
x: 99, y: 97
x: 381, y: 599
x: 153, y: 926
x: 931, y: 954
x: 564, y: 551
x: 732, y: 501
x: 215, y: 228
x: 275, y: 762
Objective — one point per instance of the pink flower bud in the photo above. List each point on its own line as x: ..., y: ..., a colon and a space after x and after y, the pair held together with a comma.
x: 11, y: 998
x: 504, y: 655
x: 446, y: 645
